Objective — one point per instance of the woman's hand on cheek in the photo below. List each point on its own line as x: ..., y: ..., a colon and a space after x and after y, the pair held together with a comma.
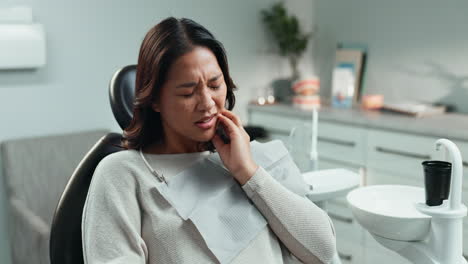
x: 236, y: 155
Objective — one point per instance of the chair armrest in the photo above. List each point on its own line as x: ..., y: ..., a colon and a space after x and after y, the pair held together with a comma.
x: 30, y: 235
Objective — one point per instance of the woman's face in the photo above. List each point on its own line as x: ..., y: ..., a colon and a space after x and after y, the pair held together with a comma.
x: 194, y: 92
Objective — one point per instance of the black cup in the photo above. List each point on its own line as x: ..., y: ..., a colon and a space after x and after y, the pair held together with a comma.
x: 437, y: 176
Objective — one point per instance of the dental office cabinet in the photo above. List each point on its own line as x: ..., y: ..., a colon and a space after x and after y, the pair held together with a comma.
x: 384, y: 148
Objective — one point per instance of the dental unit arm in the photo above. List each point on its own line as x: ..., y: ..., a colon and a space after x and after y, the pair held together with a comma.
x: 455, y: 200
x: 444, y: 243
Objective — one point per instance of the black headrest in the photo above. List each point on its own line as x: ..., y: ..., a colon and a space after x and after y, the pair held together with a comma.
x: 122, y: 94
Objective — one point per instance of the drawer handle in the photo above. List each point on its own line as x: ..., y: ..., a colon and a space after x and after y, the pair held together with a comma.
x: 402, y: 153
x: 337, y: 141
x: 345, y: 256
x: 340, y: 218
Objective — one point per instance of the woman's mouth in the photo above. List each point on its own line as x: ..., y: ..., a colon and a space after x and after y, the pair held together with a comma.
x: 206, y: 123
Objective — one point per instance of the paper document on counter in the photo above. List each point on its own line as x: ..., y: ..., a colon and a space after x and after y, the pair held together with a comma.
x: 415, y: 109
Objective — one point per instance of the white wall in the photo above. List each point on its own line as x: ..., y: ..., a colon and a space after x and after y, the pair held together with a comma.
x: 88, y: 40
x: 417, y: 49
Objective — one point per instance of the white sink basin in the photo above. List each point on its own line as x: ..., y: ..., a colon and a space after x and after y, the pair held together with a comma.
x: 389, y: 211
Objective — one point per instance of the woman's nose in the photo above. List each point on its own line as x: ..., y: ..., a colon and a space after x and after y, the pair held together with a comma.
x: 206, y: 100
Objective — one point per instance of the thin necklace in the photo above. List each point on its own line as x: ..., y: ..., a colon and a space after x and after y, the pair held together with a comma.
x: 160, y: 177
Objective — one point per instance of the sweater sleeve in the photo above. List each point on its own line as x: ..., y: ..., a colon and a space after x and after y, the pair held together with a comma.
x: 111, y: 219
x: 304, y: 229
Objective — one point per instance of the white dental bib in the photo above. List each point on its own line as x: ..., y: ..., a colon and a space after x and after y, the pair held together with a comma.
x: 207, y: 194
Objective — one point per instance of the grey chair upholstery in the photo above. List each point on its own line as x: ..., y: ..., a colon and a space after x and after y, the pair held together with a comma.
x: 35, y: 172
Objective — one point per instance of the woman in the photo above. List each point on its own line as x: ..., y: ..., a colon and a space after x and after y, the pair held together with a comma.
x: 183, y: 90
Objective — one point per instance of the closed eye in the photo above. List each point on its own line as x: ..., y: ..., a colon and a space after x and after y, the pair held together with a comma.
x: 216, y: 81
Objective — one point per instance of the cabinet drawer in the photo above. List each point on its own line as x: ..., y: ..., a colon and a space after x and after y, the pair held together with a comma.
x: 350, y: 234
x: 349, y: 237
x: 349, y: 252
x: 341, y: 143
x: 380, y: 177
x: 346, y: 227
x: 399, y: 153
x: 325, y: 164
x: 274, y: 123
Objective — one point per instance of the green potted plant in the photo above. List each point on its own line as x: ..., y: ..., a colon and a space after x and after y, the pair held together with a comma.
x: 289, y: 38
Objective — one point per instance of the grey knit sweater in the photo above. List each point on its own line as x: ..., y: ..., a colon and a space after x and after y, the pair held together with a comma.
x: 126, y: 220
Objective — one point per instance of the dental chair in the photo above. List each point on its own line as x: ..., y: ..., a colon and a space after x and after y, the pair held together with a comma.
x: 65, y: 239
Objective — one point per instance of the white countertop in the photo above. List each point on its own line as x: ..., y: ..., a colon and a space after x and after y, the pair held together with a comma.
x: 449, y: 125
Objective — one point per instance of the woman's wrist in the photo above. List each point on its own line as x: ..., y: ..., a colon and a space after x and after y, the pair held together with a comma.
x: 244, y: 174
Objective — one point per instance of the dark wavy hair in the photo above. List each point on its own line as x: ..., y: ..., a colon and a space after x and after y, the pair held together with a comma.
x: 162, y: 45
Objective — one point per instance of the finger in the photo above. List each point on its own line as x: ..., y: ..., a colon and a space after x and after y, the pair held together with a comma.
x: 233, y: 117
x: 230, y: 126
x: 237, y: 121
